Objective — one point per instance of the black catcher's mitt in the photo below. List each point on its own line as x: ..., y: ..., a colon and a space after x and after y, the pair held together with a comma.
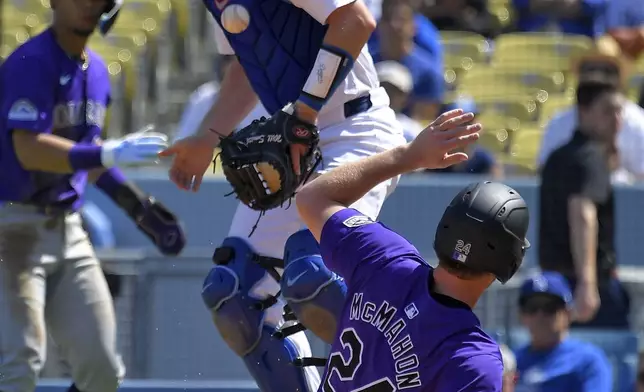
x: 257, y: 162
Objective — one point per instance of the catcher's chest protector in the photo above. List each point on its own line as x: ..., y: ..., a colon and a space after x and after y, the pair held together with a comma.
x: 277, y: 49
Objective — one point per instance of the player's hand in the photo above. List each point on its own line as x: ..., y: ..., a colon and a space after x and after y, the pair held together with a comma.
x: 191, y: 157
x: 433, y: 147
x: 586, y: 301
x: 137, y: 149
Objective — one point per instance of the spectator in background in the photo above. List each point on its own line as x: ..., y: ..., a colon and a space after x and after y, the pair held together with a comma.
x: 577, y: 212
x: 201, y: 100
x: 625, y: 23
x: 396, y: 79
x: 396, y: 31
x: 426, y: 35
x: 586, y: 17
x: 462, y: 15
x: 604, y: 62
x: 101, y: 234
x: 551, y: 361
x: 481, y: 161
x: 509, y: 368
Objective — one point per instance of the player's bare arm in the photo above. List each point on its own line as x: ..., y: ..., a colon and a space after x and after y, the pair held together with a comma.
x: 43, y: 152
x: 235, y: 100
x: 55, y: 154
x: 583, y: 241
x: 193, y: 155
x: 350, y: 27
x: 318, y: 200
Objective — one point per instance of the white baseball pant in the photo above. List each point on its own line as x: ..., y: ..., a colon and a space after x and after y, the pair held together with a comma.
x: 51, y: 281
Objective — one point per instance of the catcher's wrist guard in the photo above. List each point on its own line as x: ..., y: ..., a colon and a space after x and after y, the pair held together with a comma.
x: 257, y: 160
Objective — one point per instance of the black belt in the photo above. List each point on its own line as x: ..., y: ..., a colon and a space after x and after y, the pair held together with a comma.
x: 357, y: 106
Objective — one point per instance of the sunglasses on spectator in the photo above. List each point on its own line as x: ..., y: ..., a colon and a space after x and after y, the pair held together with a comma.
x: 547, y: 306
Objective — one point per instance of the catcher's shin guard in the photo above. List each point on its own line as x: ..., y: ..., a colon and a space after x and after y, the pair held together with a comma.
x: 315, y: 294
x: 240, y: 319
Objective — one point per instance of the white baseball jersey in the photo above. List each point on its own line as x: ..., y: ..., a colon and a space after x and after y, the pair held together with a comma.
x: 361, y: 80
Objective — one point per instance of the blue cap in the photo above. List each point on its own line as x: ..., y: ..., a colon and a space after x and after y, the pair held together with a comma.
x: 552, y: 283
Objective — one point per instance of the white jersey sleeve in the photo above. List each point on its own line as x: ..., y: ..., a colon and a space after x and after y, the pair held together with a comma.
x: 320, y: 9
x: 223, y: 46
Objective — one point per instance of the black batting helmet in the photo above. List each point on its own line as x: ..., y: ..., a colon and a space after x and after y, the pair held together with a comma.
x: 485, y: 228
x: 109, y: 16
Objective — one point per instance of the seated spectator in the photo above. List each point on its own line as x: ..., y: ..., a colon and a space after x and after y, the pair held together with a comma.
x: 625, y: 23
x: 585, y: 17
x: 98, y: 226
x: 426, y: 35
x: 201, y: 100
x: 397, y: 81
x: 101, y: 234
x: 604, y: 62
x: 509, y: 368
x: 481, y: 160
x: 553, y: 362
x: 462, y: 15
x: 397, y: 28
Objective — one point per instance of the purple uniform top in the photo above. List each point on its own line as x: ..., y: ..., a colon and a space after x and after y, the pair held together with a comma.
x: 394, y: 335
x: 43, y: 90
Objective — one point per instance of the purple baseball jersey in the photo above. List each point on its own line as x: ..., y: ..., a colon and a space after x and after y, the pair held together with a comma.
x: 43, y: 90
x: 395, y: 334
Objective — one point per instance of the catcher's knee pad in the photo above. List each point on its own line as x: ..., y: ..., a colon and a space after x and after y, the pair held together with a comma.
x: 315, y: 294
x: 238, y: 316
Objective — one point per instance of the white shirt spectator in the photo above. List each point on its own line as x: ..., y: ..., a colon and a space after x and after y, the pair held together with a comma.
x: 200, y: 101
x: 399, y: 76
x: 375, y: 6
x: 630, y: 140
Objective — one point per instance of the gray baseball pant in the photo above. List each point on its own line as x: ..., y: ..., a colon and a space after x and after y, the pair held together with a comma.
x: 51, y: 280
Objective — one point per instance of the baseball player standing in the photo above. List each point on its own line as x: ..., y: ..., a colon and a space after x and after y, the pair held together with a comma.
x: 417, y: 321
x: 53, y: 98
x: 311, y: 53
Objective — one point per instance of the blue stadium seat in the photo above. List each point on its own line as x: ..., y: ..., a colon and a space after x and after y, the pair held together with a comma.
x: 621, y: 348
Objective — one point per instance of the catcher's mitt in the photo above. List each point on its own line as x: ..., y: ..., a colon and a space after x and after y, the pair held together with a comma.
x: 257, y: 161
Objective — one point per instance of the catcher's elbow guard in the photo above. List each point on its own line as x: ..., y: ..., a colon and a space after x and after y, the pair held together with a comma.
x: 332, y: 65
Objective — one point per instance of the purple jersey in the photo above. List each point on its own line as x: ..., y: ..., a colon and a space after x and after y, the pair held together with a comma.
x: 43, y: 90
x: 394, y: 335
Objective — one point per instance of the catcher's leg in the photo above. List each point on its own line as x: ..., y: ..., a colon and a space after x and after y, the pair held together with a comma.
x: 314, y: 293
x: 241, y: 318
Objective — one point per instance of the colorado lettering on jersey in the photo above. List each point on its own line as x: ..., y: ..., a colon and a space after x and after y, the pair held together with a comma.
x: 400, y: 343
x: 71, y: 114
